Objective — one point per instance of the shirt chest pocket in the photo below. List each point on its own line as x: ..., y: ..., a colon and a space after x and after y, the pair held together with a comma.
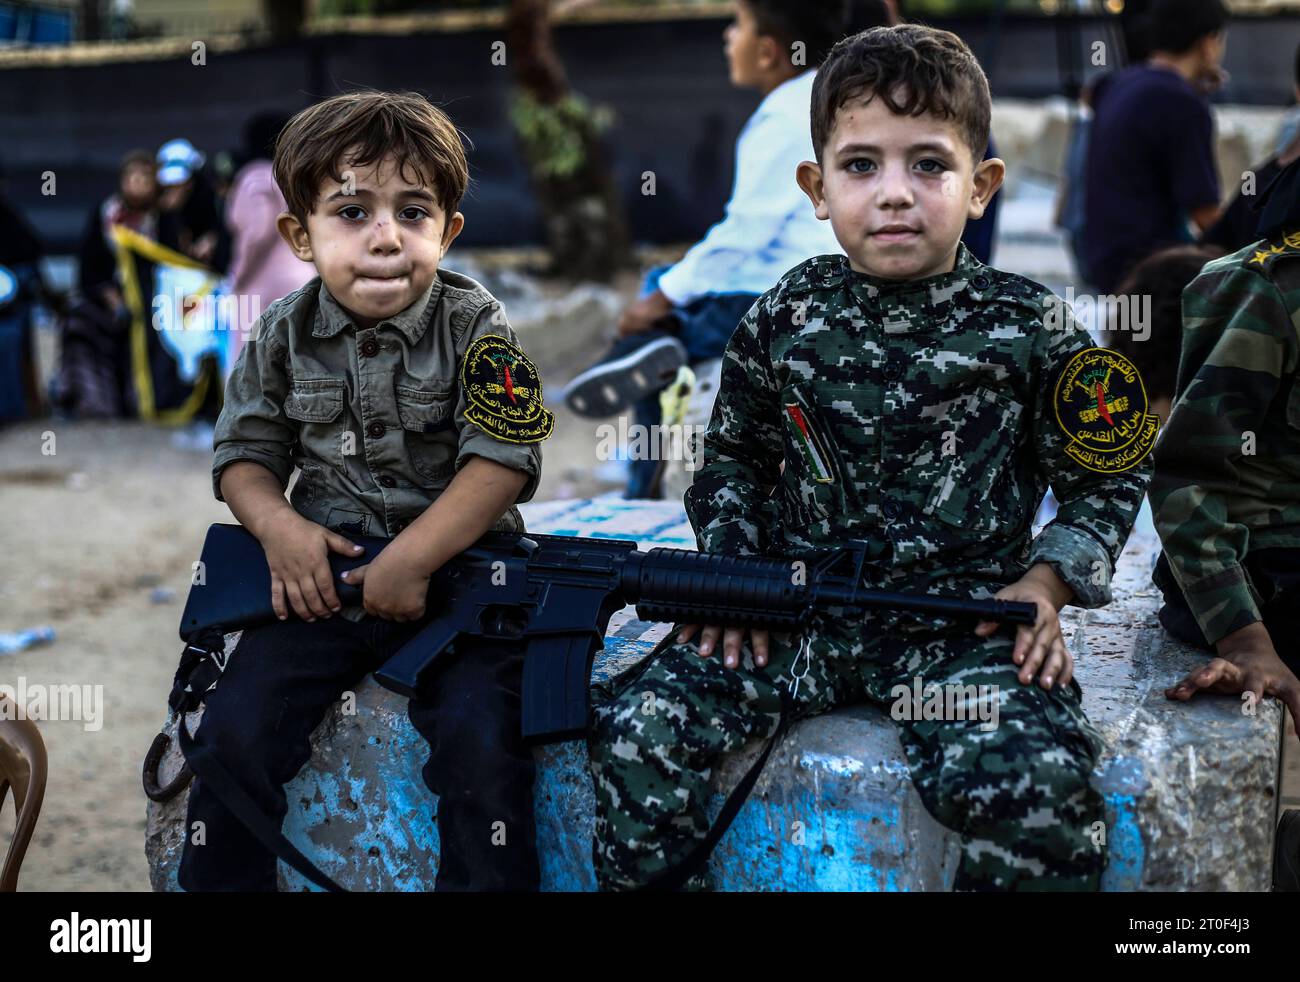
x: 427, y: 414
x: 813, y: 476
x: 977, y: 487
x: 317, y: 405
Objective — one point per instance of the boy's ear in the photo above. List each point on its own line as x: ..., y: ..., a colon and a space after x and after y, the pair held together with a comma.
x: 985, y: 182
x: 771, y: 54
x: 453, y: 229
x: 809, y: 176
x: 295, y: 234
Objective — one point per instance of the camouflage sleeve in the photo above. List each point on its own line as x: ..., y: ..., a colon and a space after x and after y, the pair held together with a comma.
x: 1097, y: 508
x: 729, y: 503
x: 1227, y: 386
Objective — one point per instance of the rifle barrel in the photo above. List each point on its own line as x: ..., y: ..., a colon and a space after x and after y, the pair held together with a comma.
x: 1007, y: 611
x: 697, y: 587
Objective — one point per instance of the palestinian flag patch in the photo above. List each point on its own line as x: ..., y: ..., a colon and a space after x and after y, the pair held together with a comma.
x: 504, y: 392
x: 814, y: 454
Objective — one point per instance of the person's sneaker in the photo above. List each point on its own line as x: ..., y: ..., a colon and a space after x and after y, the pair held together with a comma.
x: 636, y: 366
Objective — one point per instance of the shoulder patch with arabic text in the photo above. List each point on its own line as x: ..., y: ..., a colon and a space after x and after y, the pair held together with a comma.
x: 504, y: 392
x: 1101, y: 405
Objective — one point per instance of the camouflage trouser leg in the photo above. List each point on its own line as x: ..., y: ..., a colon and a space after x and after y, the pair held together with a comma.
x: 654, y: 744
x: 1017, y: 792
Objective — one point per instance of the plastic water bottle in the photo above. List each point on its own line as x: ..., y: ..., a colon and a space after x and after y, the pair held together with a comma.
x: 20, y: 640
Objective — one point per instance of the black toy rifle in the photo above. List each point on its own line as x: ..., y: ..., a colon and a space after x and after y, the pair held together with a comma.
x: 556, y: 593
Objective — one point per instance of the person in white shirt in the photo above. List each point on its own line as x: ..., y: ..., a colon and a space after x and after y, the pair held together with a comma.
x: 688, y: 311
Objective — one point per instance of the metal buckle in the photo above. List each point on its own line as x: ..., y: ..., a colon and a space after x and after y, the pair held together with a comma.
x: 219, y: 655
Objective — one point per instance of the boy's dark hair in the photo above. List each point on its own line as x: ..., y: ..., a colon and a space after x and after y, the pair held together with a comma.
x: 1175, y: 25
x: 135, y: 158
x: 915, y: 69
x: 817, y: 23
x: 1163, y: 276
x: 372, y: 125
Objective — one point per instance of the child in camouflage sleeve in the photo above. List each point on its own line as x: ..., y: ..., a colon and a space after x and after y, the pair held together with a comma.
x: 1226, y: 488
x: 906, y: 395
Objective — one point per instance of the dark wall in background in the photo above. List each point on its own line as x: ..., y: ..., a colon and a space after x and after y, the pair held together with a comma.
x: 675, y: 113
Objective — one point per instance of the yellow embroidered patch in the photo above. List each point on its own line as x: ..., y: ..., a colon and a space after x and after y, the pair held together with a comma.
x: 1286, y: 245
x: 504, y: 392
x: 1101, y: 405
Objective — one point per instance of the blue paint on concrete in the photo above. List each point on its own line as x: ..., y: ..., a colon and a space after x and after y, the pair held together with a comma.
x: 804, y: 840
x: 1122, y: 784
x: 563, y: 792
x: 1127, y: 854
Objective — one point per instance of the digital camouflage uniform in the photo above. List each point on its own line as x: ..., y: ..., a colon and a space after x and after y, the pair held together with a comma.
x: 1226, y: 490
x: 915, y: 416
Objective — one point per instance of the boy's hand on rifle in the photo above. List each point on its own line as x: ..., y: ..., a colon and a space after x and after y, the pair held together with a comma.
x: 1247, y: 662
x: 395, y: 586
x: 1040, y: 650
x: 732, y: 639
x: 297, y: 552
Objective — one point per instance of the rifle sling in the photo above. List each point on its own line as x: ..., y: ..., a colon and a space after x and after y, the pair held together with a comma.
x: 211, y: 772
x: 676, y: 877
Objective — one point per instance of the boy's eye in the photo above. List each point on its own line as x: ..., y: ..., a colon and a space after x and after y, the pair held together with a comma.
x: 414, y: 213
x: 359, y: 212
x: 934, y: 166
x: 853, y: 165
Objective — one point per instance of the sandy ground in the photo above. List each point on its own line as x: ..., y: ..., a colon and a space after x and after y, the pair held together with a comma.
x: 101, y: 534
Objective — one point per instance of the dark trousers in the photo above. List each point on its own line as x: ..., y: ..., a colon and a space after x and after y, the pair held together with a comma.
x: 280, y: 681
x: 1275, y: 575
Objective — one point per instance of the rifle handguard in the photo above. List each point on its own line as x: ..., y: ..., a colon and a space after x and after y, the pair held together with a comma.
x: 738, y: 589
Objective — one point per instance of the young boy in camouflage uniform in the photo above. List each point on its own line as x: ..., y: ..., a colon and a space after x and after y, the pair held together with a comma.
x: 906, y: 395
x: 381, y: 380
x: 1226, y: 490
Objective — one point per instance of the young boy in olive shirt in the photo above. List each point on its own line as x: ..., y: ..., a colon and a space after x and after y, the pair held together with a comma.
x: 400, y: 394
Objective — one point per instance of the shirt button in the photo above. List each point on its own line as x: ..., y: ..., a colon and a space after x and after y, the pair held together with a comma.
x: 893, y: 371
x: 890, y: 508
x: 980, y: 281
x: 388, y: 481
x: 369, y: 348
x: 375, y: 430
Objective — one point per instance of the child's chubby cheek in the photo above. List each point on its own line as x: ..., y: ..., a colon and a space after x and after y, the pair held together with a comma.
x: 376, y: 283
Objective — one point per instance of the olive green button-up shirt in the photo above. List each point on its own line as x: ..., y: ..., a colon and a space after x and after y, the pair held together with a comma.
x: 374, y: 420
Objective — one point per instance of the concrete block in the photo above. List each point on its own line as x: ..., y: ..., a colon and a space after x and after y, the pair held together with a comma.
x: 1190, y: 789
